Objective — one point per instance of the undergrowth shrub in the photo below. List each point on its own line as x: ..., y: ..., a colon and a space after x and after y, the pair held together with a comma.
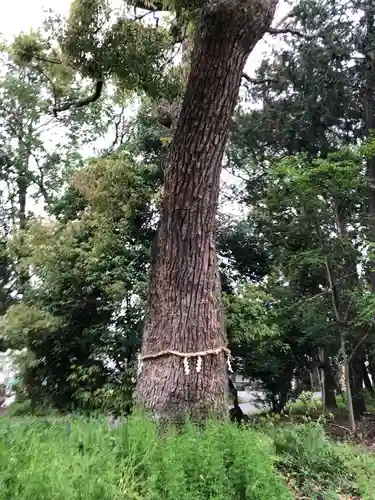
x: 308, y: 457
x: 82, y: 459
x: 306, y: 404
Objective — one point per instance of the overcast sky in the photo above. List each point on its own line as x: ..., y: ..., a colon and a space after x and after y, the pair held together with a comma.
x: 21, y: 15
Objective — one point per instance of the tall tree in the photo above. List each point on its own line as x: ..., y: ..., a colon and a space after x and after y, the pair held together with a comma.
x: 313, y: 216
x: 184, y: 311
x: 316, y: 95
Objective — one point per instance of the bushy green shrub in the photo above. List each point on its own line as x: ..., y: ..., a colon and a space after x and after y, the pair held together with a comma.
x: 307, y: 456
x: 82, y: 459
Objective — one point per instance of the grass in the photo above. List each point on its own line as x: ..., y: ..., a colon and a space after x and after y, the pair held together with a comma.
x: 313, y: 463
x: 362, y: 461
x: 84, y: 460
x: 317, y: 466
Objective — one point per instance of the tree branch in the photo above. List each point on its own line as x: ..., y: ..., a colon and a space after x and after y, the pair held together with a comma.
x: 80, y: 103
x: 291, y: 13
x: 40, y: 181
x: 120, y: 129
x: 284, y: 31
x: 47, y: 60
x: 359, y: 343
x: 335, y: 306
x: 258, y: 81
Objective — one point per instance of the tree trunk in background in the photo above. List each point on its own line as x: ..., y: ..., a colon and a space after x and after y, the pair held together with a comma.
x: 366, y: 379
x: 356, y: 382
x: 330, y: 383
x: 312, y: 381
x: 371, y: 365
x: 22, y: 184
x: 322, y: 378
x: 185, y: 312
x: 345, y: 311
x: 369, y: 118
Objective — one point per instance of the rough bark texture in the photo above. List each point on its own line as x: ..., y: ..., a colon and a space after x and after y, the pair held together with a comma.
x: 185, y: 311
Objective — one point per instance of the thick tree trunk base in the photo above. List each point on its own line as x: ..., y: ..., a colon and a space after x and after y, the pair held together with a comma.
x: 176, y: 396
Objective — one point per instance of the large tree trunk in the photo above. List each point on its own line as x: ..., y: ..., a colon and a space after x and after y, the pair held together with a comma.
x: 185, y: 311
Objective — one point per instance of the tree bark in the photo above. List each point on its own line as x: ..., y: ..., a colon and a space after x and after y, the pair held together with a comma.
x: 322, y: 378
x: 352, y: 422
x: 356, y: 382
x: 184, y: 312
x: 22, y: 184
x: 330, y: 383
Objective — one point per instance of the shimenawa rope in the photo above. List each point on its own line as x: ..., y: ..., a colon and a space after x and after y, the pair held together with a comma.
x: 186, y: 356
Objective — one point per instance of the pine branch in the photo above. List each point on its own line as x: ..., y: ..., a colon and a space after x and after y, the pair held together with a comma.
x: 80, y: 103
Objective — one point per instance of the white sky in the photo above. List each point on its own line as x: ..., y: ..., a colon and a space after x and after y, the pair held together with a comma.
x: 21, y: 15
